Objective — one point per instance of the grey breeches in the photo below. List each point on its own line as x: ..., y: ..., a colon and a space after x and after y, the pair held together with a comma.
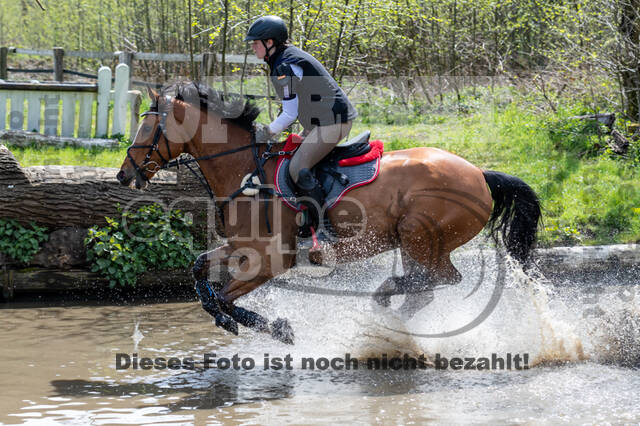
x: 318, y: 143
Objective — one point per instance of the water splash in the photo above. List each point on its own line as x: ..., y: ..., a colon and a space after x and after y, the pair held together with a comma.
x: 550, y: 323
x: 137, y: 335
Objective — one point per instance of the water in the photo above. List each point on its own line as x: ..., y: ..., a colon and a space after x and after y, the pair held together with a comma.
x: 582, y: 341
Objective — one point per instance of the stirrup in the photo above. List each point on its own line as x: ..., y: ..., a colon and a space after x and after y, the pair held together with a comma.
x: 326, y: 233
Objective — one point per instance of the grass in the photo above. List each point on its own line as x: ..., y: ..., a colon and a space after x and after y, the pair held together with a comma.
x: 92, y: 157
x: 589, y: 195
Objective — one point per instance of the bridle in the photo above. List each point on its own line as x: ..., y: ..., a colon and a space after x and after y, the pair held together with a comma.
x: 259, y: 161
x: 160, y: 131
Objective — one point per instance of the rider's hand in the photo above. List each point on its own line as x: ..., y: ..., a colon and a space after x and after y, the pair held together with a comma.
x: 263, y: 134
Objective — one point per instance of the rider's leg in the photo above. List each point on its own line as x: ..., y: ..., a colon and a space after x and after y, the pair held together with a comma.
x: 320, y: 141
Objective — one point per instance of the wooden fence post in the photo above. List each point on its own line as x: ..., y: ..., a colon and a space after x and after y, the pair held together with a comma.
x: 58, y: 63
x: 104, y: 96
x: 120, y: 98
x: 33, y: 111
x: 208, y: 66
x: 51, y: 110
x: 16, y: 116
x: 135, y: 100
x: 3, y: 110
x: 126, y: 58
x: 3, y: 62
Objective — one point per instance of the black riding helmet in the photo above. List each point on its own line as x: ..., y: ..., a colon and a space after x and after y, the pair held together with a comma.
x: 268, y: 27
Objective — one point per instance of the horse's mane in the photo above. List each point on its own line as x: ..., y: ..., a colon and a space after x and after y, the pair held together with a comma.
x: 231, y: 107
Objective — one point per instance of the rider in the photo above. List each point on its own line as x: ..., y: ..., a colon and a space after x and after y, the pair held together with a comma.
x: 311, y: 95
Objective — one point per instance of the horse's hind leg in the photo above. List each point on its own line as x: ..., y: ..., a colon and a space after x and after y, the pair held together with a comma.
x: 420, y: 279
x: 426, y: 263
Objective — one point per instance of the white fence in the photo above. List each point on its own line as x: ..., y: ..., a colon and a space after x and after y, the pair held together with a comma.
x: 35, y: 106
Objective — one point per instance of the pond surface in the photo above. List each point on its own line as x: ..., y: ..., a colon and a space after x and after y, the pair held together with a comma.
x: 582, y: 342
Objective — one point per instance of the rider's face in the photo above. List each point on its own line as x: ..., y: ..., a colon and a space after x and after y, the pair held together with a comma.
x: 258, y: 48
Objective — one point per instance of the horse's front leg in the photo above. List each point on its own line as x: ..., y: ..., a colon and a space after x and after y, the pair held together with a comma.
x: 208, y: 291
x: 217, y: 297
x: 280, y: 329
x: 252, y: 268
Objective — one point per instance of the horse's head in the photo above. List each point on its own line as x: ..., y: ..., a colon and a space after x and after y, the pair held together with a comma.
x: 194, y: 119
x: 162, y: 136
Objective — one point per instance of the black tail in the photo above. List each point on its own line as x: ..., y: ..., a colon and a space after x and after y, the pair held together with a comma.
x: 516, y: 213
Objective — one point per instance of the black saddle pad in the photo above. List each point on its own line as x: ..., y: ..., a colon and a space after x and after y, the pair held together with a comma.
x: 336, y: 180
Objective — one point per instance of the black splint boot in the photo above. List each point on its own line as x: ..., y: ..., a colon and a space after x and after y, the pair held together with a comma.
x: 311, y: 196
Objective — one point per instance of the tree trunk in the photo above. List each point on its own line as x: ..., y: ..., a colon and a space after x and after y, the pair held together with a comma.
x: 62, y: 196
x: 629, y: 32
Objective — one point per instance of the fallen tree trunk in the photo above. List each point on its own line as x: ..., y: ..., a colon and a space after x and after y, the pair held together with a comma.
x: 62, y: 196
x: 618, y: 143
x: 22, y: 138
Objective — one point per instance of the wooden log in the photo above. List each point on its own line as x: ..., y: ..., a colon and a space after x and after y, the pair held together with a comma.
x: 11, y: 173
x: 58, y: 64
x: 618, y: 143
x: 24, y: 139
x: 44, y: 280
x: 61, y: 196
x: 64, y: 249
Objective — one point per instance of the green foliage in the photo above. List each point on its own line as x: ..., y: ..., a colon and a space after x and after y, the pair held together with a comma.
x: 147, y: 239
x: 591, y: 198
x: 440, y: 37
x: 584, y: 138
x: 634, y: 152
x: 19, y: 242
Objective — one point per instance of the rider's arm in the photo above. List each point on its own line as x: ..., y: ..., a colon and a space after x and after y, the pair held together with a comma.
x: 288, y: 116
x: 289, y: 101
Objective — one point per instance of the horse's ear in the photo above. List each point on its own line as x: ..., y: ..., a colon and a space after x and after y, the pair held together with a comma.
x: 152, y: 93
x: 179, y: 110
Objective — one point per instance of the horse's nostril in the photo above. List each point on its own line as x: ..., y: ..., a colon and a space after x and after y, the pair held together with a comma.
x: 120, y: 176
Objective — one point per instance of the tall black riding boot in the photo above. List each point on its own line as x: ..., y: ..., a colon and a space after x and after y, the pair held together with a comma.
x: 309, y: 187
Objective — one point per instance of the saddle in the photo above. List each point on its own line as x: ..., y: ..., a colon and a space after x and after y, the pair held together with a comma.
x: 348, y: 166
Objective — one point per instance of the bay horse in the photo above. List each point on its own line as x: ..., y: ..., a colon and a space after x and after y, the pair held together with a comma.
x: 425, y: 201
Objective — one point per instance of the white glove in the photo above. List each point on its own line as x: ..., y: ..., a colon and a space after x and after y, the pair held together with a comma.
x: 263, y: 134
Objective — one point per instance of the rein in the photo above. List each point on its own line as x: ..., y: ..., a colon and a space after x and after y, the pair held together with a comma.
x: 259, y: 160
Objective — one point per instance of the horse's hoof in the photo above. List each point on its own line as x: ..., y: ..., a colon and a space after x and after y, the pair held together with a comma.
x: 382, y: 300
x: 225, y: 322
x: 282, y: 331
